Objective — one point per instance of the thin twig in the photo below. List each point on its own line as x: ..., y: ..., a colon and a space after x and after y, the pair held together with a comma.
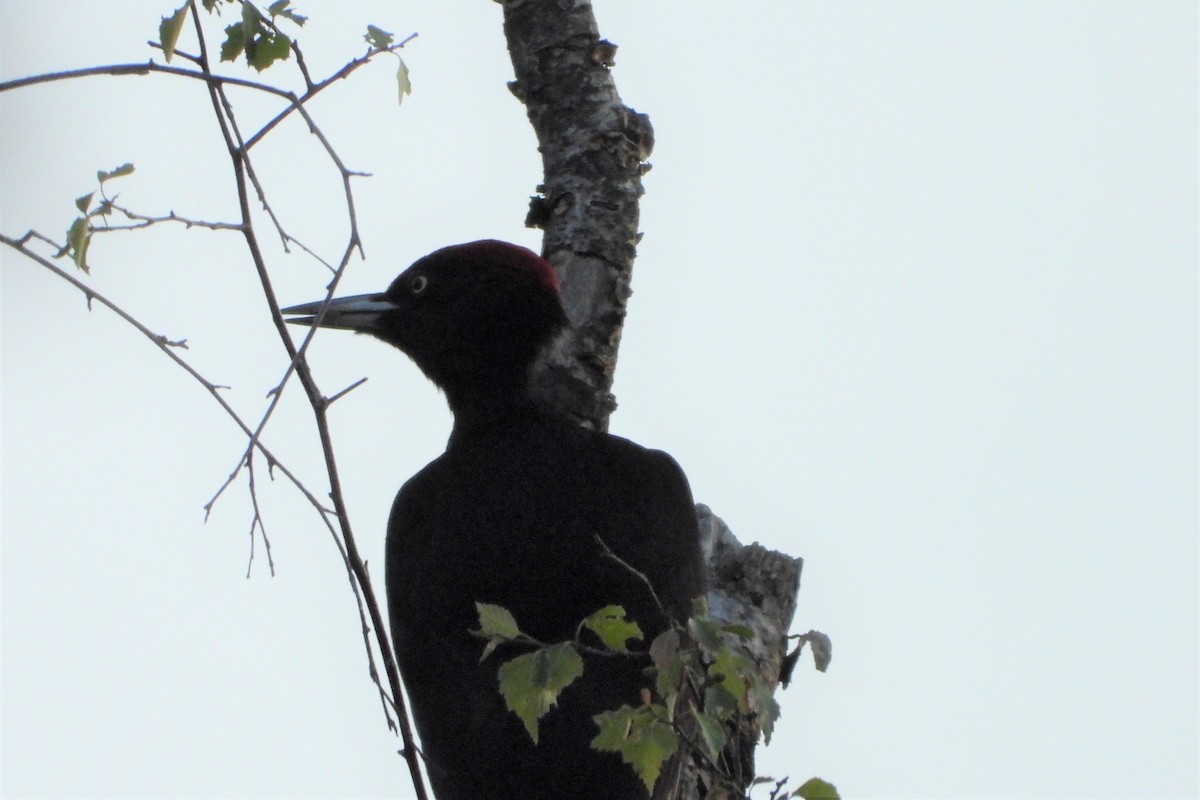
x: 317, y: 87
x: 257, y: 521
x: 345, y: 392
x: 586, y: 649
x: 144, y: 68
x: 163, y: 344
x: 613, y: 556
x: 295, y: 47
x: 141, y: 221
x: 356, y: 568
x: 238, y: 148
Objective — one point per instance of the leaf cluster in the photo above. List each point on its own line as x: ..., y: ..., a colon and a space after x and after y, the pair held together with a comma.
x: 79, y: 234
x: 257, y: 36
x: 704, y: 683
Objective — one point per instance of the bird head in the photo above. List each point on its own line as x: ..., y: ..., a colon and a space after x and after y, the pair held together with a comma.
x: 472, y: 316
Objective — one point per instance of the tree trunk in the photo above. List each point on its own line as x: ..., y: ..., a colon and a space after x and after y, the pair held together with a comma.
x: 593, y: 155
x: 594, y: 150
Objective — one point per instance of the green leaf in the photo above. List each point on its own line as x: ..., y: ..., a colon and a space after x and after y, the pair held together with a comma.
x: 169, y: 30
x: 614, y: 729
x: 497, y: 620
x: 280, y: 9
x: 84, y: 201
x: 378, y: 38
x: 532, y: 682
x: 665, y: 647
x: 668, y: 663
x: 743, y: 632
x: 713, y: 733
x: 251, y: 17
x: 119, y: 172
x: 79, y: 236
x: 268, y: 49
x: 707, y: 634
x: 252, y: 29
x: 729, y: 670
x: 641, y: 737
x: 497, y: 624
x: 817, y: 789
x: 720, y: 702
x: 235, y: 42
x: 402, y: 81
x: 611, y: 625
x: 262, y: 46
x: 767, y: 708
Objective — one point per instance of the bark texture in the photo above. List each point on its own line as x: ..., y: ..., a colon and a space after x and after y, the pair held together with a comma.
x: 594, y: 150
x: 756, y: 587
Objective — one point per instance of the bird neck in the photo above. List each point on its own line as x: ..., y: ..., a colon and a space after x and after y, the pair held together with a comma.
x: 478, y: 409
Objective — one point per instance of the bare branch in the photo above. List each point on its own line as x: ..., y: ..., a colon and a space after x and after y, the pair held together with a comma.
x: 141, y: 69
x: 313, y: 89
x: 356, y: 568
x: 345, y: 391
x: 163, y: 344
x: 247, y: 181
x: 608, y: 553
x: 258, y: 522
x: 141, y: 221
x: 212, y: 501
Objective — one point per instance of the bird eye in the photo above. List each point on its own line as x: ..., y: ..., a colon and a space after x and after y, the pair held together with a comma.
x: 417, y: 284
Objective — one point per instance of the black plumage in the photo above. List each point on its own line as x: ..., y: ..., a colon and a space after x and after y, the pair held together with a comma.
x: 510, y: 514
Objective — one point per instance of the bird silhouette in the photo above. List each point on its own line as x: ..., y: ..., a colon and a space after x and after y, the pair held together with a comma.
x: 517, y: 512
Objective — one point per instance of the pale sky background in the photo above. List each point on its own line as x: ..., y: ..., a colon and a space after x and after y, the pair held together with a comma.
x: 917, y: 301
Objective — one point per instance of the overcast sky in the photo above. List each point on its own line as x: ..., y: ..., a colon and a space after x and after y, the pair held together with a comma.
x: 917, y: 301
